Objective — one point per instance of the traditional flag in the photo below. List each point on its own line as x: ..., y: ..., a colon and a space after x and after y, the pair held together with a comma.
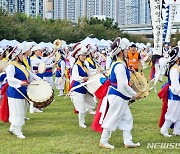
x: 156, y: 17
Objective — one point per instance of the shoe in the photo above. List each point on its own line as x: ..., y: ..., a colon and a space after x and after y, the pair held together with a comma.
x: 165, y: 134
x: 21, y: 136
x: 38, y: 110
x: 82, y: 125
x: 26, y: 118
x: 106, y: 145
x: 132, y: 145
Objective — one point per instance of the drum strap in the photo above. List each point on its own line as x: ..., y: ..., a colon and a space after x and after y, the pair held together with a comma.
x: 20, y: 67
x: 26, y: 63
x: 91, y: 61
x: 81, y: 65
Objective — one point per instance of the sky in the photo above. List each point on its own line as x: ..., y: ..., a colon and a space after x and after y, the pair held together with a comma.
x: 177, y: 16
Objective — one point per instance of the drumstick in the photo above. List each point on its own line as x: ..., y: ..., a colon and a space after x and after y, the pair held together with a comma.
x: 30, y: 102
x: 80, y: 85
x: 36, y: 84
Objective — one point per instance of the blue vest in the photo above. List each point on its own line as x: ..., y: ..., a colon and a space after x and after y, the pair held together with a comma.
x: 171, y: 96
x: 12, y: 92
x: 2, y: 77
x: 113, y: 81
x: 82, y: 73
x: 92, y: 66
x: 29, y: 61
x: 48, y: 72
x: 58, y: 71
x: 36, y: 68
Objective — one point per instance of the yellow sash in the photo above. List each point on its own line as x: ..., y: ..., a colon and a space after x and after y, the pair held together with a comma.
x: 32, y: 57
x: 113, y: 63
x: 20, y: 67
x: 90, y: 61
x: 177, y: 67
x: 26, y: 63
x: 80, y: 64
x: 5, y: 59
x: 67, y: 83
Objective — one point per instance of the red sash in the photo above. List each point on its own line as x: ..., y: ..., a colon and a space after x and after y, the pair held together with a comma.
x: 4, y: 109
x: 152, y: 73
x: 163, y: 94
x: 100, y: 94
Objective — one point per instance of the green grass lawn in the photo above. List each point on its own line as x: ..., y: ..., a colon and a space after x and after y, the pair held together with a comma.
x: 56, y: 130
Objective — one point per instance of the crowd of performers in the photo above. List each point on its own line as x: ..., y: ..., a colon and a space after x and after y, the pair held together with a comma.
x: 74, y: 67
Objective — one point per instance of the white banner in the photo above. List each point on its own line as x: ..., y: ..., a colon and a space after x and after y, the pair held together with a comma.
x: 156, y: 13
x: 169, y: 19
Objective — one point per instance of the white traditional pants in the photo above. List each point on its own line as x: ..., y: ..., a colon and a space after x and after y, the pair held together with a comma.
x: 60, y: 83
x: 16, y: 111
x: 50, y: 80
x: 118, y: 116
x: 82, y: 102
x: 172, y: 116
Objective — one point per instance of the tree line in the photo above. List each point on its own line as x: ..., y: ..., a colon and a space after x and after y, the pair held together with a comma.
x: 22, y: 27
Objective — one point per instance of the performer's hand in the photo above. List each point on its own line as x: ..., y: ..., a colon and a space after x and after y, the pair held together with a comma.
x: 36, y: 71
x: 99, y: 70
x: 85, y: 79
x: 132, y: 69
x: 51, y: 54
x: 24, y: 84
x: 55, y: 63
x: 137, y: 96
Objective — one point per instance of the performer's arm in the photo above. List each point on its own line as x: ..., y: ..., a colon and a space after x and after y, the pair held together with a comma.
x: 75, y: 74
x: 90, y: 70
x: 122, y: 81
x: 62, y: 68
x: 12, y: 81
x: 175, y: 85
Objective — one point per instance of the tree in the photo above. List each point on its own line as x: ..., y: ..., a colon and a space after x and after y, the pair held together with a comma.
x: 176, y: 38
x: 21, y: 27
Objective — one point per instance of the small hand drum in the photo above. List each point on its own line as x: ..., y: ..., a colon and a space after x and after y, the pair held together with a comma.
x: 41, y: 67
x: 57, y: 56
x: 3, y: 65
x: 139, y: 84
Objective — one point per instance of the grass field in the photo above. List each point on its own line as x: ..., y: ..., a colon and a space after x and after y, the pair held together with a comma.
x: 56, y: 130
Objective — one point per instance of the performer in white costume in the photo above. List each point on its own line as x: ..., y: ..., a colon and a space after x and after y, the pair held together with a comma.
x: 92, y: 66
x: 81, y: 99
x: 37, y: 58
x: 48, y: 74
x: 60, y: 75
x: 1, y: 53
x: 119, y: 114
x: 26, y: 51
x: 89, y: 62
x: 173, y: 111
x: 166, y: 50
x: 17, y: 77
